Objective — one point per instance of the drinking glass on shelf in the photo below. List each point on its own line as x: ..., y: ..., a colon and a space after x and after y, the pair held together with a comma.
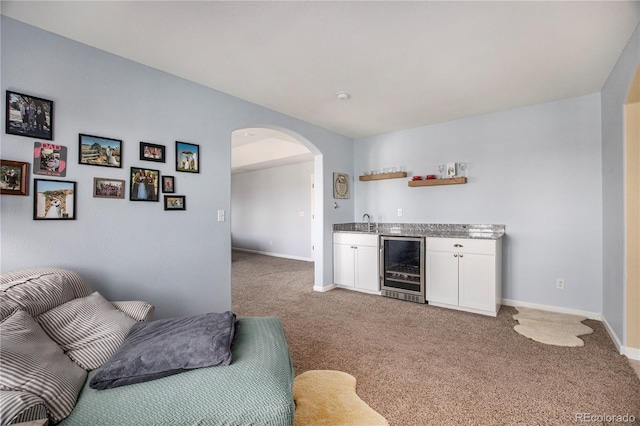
x: 441, y: 170
x: 462, y: 167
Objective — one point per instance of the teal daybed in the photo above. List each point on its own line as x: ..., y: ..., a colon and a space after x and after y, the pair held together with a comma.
x: 254, y: 389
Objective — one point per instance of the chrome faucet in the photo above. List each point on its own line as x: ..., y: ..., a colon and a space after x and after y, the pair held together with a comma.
x: 368, y: 221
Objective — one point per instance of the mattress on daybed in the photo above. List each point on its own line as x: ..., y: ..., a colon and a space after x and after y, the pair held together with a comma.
x: 256, y: 388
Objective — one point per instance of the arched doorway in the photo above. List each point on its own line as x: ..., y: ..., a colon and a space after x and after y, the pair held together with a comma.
x: 274, y: 204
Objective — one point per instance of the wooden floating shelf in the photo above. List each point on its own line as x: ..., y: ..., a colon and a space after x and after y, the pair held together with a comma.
x: 434, y: 182
x: 384, y: 176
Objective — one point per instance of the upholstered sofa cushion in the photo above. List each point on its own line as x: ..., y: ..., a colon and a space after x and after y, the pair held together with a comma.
x: 20, y: 407
x: 32, y: 362
x: 38, y: 293
x: 88, y: 329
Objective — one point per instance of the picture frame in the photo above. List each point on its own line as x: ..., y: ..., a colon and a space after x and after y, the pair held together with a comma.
x: 152, y: 152
x: 168, y: 184
x: 15, y: 175
x: 49, y: 159
x: 29, y: 116
x: 187, y: 157
x: 451, y: 170
x: 144, y: 184
x: 99, y: 151
x: 108, y: 188
x: 175, y: 202
x: 54, y: 199
x: 340, y: 186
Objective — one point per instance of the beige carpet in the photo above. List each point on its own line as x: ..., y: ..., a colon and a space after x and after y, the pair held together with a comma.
x: 328, y: 397
x: 551, y: 328
x: 421, y: 365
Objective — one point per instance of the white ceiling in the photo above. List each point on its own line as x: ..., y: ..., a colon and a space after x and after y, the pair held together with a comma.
x: 405, y: 64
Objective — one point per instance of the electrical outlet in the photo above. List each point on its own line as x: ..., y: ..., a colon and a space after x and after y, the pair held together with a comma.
x: 560, y: 283
x: 399, y: 212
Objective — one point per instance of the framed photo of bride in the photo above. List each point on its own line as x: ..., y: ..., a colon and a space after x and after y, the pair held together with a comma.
x: 99, y: 151
x: 144, y: 184
x: 54, y: 200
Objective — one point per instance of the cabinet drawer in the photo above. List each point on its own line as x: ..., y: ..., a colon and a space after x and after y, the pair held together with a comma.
x: 355, y: 239
x: 465, y: 245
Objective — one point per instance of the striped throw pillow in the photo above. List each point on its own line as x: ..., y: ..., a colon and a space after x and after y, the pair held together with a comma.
x: 39, y: 293
x: 21, y: 407
x: 89, y: 330
x: 32, y: 362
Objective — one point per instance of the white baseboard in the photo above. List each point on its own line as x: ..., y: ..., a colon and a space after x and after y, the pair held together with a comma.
x: 266, y: 253
x: 591, y: 315
x: 323, y: 289
x: 377, y: 293
x: 632, y: 353
x: 613, y: 335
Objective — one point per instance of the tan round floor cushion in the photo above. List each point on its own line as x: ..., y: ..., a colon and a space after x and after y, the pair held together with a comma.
x: 326, y: 397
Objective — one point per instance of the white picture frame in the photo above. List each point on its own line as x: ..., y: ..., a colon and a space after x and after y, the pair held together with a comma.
x: 451, y: 170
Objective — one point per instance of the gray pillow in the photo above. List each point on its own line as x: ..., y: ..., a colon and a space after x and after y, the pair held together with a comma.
x: 89, y: 329
x: 164, y: 347
x: 32, y: 362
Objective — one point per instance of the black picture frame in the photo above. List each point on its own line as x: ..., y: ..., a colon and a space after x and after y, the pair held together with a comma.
x: 175, y: 202
x: 144, y: 184
x: 14, y: 177
x: 168, y: 184
x: 29, y: 116
x: 54, y: 199
x: 187, y: 157
x: 152, y: 152
x: 99, y: 151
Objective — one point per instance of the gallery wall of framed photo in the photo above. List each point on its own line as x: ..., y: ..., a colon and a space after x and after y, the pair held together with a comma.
x: 32, y: 117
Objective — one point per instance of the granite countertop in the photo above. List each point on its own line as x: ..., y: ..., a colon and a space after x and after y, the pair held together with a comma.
x: 437, y: 230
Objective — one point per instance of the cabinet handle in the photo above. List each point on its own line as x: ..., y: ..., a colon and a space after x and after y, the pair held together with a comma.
x: 460, y: 255
x: 458, y: 245
x: 455, y: 255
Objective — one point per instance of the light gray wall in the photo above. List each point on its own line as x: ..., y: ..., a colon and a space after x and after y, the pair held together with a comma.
x: 534, y: 169
x: 614, y: 94
x: 180, y: 261
x: 265, y: 210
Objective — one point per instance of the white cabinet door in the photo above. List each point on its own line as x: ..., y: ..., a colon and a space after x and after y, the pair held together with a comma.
x: 367, y: 274
x: 343, y: 265
x: 442, y: 277
x: 477, y: 281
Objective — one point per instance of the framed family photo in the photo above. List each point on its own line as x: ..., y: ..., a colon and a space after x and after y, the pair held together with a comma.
x: 14, y: 177
x: 144, y: 184
x: 108, y: 188
x: 175, y: 202
x: 54, y: 200
x: 168, y: 184
x: 29, y: 116
x: 187, y: 157
x: 49, y: 159
x: 99, y: 151
x: 152, y: 152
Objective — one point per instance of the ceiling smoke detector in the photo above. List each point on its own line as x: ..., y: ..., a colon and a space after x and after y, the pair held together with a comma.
x: 343, y: 96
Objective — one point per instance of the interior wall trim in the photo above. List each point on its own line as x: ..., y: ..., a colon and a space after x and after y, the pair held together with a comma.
x: 591, y: 315
x: 267, y: 253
